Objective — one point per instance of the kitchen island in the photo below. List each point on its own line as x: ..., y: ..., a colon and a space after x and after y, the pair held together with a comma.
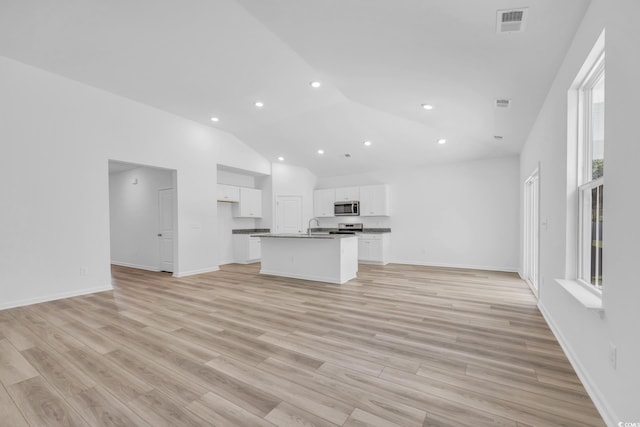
x: 331, y: 258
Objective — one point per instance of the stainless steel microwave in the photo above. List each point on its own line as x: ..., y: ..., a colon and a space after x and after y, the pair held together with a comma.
x: 346, y: 208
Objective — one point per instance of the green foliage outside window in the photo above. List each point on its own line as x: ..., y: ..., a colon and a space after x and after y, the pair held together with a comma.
x: 597, y: 168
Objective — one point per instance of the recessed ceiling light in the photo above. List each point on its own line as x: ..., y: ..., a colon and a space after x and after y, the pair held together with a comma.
x: 259, y: 104
x: 442, y: 141
x: 215, y: 119
x: 321, y: 151
x: 367, y: 143
x: 427, y: 106
x: 281, y: 158
x: 315, y: 85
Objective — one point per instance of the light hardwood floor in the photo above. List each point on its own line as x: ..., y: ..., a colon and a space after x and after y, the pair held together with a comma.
x: 401, y: 345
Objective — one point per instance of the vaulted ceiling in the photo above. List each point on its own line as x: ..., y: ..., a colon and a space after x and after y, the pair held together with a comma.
x: 378, y: 62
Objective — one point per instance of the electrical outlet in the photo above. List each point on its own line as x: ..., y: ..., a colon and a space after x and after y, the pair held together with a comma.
x: 613, y: 355
x: 84, y: 271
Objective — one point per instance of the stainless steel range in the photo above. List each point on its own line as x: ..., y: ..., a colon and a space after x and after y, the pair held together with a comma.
x: 348, y: 228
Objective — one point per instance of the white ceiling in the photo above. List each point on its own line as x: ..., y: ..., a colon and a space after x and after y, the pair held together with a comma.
x: 378, y: 60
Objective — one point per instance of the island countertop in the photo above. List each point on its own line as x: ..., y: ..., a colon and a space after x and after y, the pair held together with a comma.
x: 304, y: 236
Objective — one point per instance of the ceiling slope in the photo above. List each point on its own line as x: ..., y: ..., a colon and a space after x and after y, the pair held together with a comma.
x: 378, y: 62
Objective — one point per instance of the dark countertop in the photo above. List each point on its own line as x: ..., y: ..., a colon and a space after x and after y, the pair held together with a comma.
x: 313, y: 230
x: 250, y: 230
x: 305, y: 236
x: 376, y: 230
x: 365, y: 231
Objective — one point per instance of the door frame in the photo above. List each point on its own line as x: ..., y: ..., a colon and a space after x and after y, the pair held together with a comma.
x: 174, y: 185
x: 531, y: 232
x: 173, y: 231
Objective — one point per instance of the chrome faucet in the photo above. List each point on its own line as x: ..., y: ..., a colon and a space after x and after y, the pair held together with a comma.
x: 309, y: 227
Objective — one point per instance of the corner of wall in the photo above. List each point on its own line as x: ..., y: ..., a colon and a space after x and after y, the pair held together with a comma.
x: 599, y: 399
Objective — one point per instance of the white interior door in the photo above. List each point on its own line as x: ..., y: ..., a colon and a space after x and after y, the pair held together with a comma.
x: 165, y: 232
x: 289, y: 214
x: 531, y: 228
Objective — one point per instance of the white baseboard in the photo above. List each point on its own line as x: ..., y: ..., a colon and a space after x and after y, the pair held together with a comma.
x: 361, y: 261
x: 53, y: 297
x: 593, y: 391
x: 194, y: 272
x: 140, y: 267
x: 465, y: 266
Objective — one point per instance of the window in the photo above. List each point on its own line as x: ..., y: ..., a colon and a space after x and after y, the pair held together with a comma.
x: 591, y: 98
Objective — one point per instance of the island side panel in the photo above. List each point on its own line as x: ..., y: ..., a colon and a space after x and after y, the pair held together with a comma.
x: 310, y: 259
x: 348, y: 259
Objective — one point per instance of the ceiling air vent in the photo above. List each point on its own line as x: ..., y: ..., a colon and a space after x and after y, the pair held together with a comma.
x: 511, y: 20
x: 503, y: 103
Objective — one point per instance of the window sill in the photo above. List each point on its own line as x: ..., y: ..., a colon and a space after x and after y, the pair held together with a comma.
x: 587, y: 298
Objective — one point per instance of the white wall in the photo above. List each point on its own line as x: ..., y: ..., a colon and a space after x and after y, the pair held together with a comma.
x: 456, y: 215
x: 133, y: 216
x: 57, y: 136
x: 584, y: 335
x: 236, y: 178
x: 288, y: 180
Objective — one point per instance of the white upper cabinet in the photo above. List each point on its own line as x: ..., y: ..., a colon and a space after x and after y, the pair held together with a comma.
x: 228, y: 193
x: 250, y: 205
x: 347, y: 194
x: 323, y: 202
x: 373, y: 200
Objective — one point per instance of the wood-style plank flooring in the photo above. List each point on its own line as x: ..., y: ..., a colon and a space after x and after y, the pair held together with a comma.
x: 400, y: 346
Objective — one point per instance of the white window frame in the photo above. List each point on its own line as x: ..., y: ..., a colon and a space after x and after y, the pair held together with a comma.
x: 585, y: 156
x: 584, y: 170
x: 585, y: 238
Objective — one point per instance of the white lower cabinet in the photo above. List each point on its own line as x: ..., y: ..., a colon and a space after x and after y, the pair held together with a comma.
x: 246, y: 249
x: 374, y: 248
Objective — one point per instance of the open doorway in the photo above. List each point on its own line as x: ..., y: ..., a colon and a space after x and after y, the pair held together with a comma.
x: 531, y: 230
x: 142, y: 216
